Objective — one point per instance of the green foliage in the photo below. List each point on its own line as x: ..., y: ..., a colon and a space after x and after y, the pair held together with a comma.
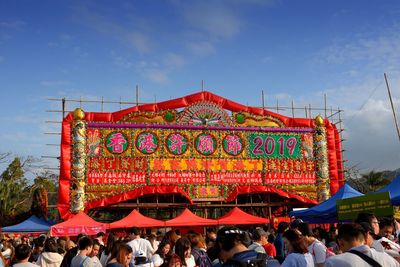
x: 13, y: 190
x: 16, y: 193
x: 368, y: 182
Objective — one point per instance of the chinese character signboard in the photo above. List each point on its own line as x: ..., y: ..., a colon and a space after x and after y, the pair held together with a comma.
x: 210, y: 149
x: 378, y: 204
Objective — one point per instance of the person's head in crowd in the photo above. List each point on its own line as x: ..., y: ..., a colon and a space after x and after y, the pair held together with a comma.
x: 368, y: 233
x: 282, y: 227
x: 295, y: 223
x: 369, y: 218
x: 50, y: 245
x: 230, y: 240
x: 134, y: 232
x: 305, y: 229
x: 80, y: 236
x: 69, y: 244
x: 111, y: 240
x: 183, y: 248
x: 351, y: 235
x: 22, y: 252
x: 295, y: 242
x: 172, y: 237
x: 95, y: 249
x: 164, y: 249
x: 197, y: 240
x: 152, y: 239
x: 386, y: 228
x: 259, y: 236
x: 85, y: 245
x: 332, y: 232
x: 38, y: 244
x: 121, y: 253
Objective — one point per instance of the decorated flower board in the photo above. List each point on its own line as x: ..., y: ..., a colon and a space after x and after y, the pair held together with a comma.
x: 202, y: 146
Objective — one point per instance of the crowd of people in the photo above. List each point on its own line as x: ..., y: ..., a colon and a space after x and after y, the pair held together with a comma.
x: 365, y: 242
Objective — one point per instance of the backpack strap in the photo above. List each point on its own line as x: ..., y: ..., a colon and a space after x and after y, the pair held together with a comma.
x: 368, y: 259
x: 82, y: 262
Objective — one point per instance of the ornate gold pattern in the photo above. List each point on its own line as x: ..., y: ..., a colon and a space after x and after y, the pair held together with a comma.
x: 78, y: 162
x: 321, y: 160
x: 252, y: 120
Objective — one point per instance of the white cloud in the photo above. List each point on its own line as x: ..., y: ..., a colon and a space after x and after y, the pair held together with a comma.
x: 172, y: 60
x: 201, y: 48
x: 217, y: 20
x: 13, y: 25
x: 157, y: 75
x: 139, y: 40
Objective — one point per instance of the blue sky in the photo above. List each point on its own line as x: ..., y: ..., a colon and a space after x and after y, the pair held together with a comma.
x: 293, y: 50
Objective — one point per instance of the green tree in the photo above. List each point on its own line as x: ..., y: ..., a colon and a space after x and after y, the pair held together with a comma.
x: 367, y: 182
x: 14, y: 193
x: 46, y: 181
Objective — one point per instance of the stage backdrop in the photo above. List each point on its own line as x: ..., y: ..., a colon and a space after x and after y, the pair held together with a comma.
x: 202, y: 146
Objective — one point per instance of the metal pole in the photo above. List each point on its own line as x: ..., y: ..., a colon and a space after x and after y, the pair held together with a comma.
x: 391, y: 103
x: 137, y: 95
x: 325, y: 104
x: 262, y: 99
x: 292, y: 109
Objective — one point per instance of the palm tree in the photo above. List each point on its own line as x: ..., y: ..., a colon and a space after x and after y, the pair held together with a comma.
x: 374, y: 181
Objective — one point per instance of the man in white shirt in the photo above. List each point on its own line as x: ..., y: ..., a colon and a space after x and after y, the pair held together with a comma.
x: 139, y: 243
x: 352, y: 237
x: 316, y: 248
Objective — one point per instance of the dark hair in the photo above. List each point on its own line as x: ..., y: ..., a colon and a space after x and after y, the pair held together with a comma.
x: 96, y: 242
x: 51, y: 245
x: 38, y: 242
x: 386, y: 222
x: 351, y: 232
x: 135, y: 231
x: 172, y: 237
x: 181, y: 246
x: 161, y: 247
x: 305, y: 229
x: 229, y: 236
x: 100, y: 234
x: 22, y: 251
x: 297, y: 241
x: 85, y: 242
x: 282, y: 226
x: 111, y: 240
x: 365, y: 217
x: 271, y: 238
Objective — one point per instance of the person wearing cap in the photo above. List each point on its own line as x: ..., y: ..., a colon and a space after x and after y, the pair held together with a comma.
x: 141, y: 259
x: 352, y: 240
x: 259, y: 237
x: 137, y: 243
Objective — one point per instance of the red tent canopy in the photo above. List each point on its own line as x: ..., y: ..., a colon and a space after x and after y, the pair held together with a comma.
x: 237, y: 216
x: 135, y: 219
x: 80, y: 223
x: 187, y: 218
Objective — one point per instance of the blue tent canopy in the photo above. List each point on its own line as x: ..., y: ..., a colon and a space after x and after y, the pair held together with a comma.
x: 31, y: 225
x: 394, y: 189
x: 326, y: 212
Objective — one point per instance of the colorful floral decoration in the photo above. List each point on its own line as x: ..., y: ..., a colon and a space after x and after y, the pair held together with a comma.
x: 147, y: 142
x: 93, y: 142
x: 233, y: 144
x: 240, y: 118
x: 205, y: 113
x: 169, y: 116
x: 206, y: 144
x: 177, y: 143
x: 116, y: 143
x: 321, y: 160
x: 78, y: 163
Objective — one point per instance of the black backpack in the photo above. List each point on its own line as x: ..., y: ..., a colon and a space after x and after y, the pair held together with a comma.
x: 259, y: 261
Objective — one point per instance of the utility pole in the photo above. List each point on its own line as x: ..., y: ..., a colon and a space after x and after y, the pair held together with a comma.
x: 391, y: 103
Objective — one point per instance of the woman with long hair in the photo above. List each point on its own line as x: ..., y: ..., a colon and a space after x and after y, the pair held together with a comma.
x: 162, y: 254
x: 105, y: 255
x: 182, y: 255
x: 296, y: 246
x: 199, y: 250
x: 121, y: 255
